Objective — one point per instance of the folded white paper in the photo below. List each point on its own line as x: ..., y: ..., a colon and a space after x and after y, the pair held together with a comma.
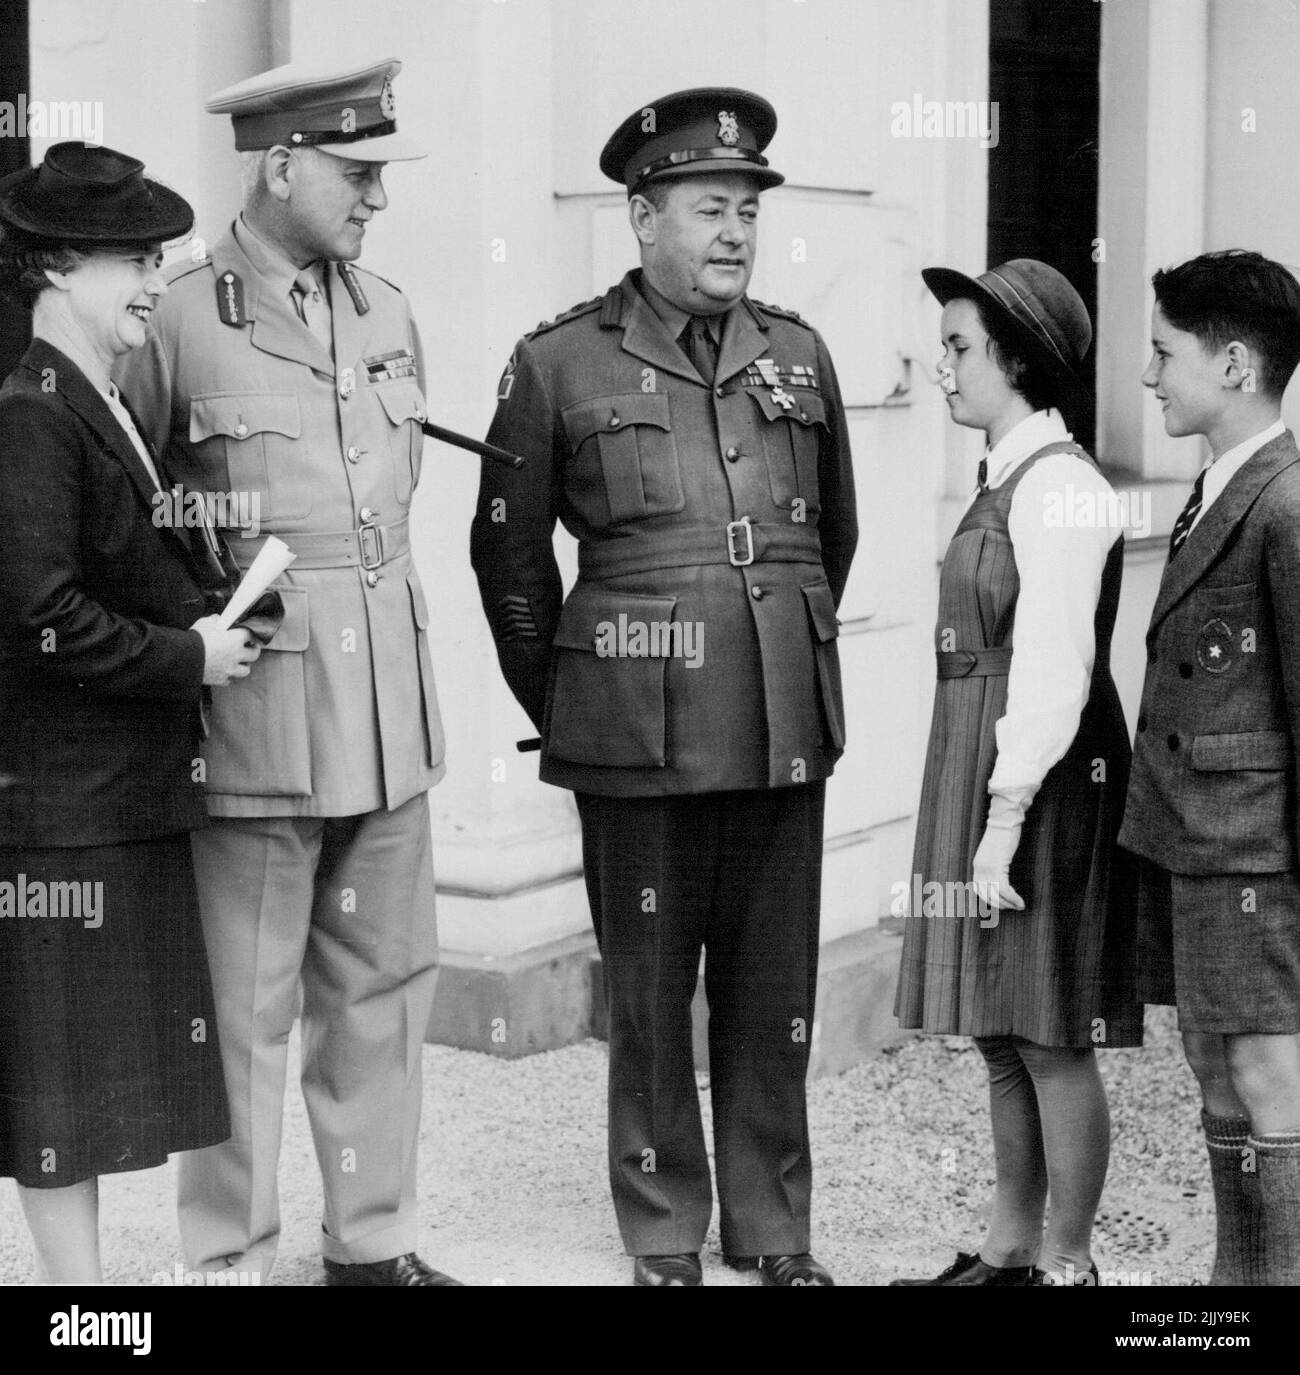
x: 272, y: 559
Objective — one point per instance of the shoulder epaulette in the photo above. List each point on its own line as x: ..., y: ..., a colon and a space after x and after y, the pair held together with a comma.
x: 178, y: 273
x: 573, y: 313
x: 780, y: 312
x: 356, y: 267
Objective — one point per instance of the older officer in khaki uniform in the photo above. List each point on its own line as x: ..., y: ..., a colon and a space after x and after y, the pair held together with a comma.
x: 693, y: 442
x: 280, y: 373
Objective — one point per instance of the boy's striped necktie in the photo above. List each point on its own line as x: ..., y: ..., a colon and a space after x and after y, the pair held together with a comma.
x: 1186, y: 518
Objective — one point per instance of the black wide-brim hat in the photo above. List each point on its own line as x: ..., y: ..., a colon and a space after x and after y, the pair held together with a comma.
x: 86, y: 193
x: 706, y: 130
x: 1045, y: 312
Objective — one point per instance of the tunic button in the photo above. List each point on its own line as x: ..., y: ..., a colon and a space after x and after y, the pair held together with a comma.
x: 733, y: 454
x: 354, y: 454
x: 1172, y: 742
x: 1184, y: 670
x: 758, y: 593
x: 367, y: 514
x: 719, y: 391
x: 347, y: 382
x: 372, y: 579
x: 614, y: 422
x: 803, y: 415
x: 241, y: 430
x: 1142, y: 723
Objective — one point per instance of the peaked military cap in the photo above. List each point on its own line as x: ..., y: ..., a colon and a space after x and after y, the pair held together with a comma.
x: 708, y: 129
x: 349, y: 112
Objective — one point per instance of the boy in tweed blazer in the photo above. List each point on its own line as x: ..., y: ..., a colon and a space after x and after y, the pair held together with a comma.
x: 1212, y: 805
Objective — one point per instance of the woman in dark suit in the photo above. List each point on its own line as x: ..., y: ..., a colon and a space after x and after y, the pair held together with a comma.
x: 108, y: 1053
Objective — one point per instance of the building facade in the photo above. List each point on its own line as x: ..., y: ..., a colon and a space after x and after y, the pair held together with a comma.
x: 888, y: 137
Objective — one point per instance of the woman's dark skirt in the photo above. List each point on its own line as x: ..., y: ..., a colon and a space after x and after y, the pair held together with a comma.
x: 108, y: 1042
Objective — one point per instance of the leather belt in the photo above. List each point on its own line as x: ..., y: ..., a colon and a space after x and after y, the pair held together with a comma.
x: 974, y: 663
x: 738, y: 543
x: 368, y: 546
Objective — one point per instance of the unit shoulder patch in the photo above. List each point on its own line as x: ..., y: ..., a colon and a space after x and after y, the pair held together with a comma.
x: 573, y: 313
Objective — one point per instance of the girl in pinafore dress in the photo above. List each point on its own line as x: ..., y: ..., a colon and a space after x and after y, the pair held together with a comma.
x: 1023, y: 939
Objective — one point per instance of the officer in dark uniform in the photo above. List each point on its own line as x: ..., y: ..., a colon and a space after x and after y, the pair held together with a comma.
x: 688, y: 690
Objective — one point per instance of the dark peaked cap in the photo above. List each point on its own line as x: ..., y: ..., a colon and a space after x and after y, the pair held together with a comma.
x: 708, y: 129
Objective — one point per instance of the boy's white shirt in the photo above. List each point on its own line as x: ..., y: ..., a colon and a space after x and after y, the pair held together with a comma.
x: 1220, y: 471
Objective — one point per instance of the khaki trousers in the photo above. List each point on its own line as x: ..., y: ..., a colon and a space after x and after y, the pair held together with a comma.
x: 346, y: 905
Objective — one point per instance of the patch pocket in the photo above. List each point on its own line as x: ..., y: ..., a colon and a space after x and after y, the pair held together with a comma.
x: 1264, y: 750
x: 792, y: 444
x: 405, y: 406
x: 624, y: 445
x: 826, y: 630
x: 251, y: 432
x: 607, y: 704
x: 259, y: 743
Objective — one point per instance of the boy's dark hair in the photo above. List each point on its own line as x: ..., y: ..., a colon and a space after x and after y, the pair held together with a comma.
x: 1041, y: 386
x: 1237, y: 294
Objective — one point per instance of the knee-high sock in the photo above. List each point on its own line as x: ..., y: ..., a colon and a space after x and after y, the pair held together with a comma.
x: 1016, y: 1219
x: 1277, y: 1160
x: 1236, y: 1202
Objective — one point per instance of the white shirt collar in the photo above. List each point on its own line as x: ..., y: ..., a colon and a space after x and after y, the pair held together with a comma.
x: 1220, y: 471
x: 1022, y: 440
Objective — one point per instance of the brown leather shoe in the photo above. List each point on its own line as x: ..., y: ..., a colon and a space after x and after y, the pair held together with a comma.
x: 971, y: 1271
x: 677, y: 1272
x: 785, y: 1272
x: 402, y: 1272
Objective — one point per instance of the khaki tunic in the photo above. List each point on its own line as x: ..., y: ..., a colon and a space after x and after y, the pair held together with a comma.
x: 340, y: 715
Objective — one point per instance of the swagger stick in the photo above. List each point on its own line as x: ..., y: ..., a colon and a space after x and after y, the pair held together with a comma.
x: 475, y: 446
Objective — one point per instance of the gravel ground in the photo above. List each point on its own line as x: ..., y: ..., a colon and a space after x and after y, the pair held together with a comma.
x: 514, y: 1189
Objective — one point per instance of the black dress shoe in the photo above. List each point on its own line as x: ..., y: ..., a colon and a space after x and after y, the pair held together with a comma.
x: 972, y: 1271
x: 406, y: 1271
x: 1046, y: 1279
x: 680, y: 1271
x: 786, y: 1272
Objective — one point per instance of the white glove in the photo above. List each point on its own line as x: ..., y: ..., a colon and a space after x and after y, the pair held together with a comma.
x: 993, y: 857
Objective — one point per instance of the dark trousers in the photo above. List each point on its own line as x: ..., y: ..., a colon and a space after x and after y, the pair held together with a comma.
x: 739, y: 875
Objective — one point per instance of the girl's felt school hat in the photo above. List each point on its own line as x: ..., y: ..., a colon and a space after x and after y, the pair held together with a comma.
x: 1044, y: 310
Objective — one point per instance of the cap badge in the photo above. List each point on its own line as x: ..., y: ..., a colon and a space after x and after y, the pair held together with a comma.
x: 728, y: 129
x: 387, y: 100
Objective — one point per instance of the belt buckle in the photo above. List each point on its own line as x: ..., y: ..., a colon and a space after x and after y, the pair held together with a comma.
x: 372, y: 549
x: 732, y: 527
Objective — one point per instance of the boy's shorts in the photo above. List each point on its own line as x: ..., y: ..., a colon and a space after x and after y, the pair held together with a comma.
x: 1225, y: 948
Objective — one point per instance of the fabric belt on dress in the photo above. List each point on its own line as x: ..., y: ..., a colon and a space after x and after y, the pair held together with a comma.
x: 739, y: 543
x: 974, y: 663
x: 368, y: 546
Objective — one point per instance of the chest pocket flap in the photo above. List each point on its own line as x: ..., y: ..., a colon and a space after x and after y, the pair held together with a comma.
x: 808, y: 408
x: 236, y: 415
x: 402, y: 400
x: 610, y: 414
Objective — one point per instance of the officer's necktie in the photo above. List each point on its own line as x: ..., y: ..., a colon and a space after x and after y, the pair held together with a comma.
x: 312, y: 309
x: 1183, y: 525
x: 982, y: 475
x: 700, y: 348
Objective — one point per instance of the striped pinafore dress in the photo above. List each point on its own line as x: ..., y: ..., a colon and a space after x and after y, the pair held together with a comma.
x: 1060, y: 973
